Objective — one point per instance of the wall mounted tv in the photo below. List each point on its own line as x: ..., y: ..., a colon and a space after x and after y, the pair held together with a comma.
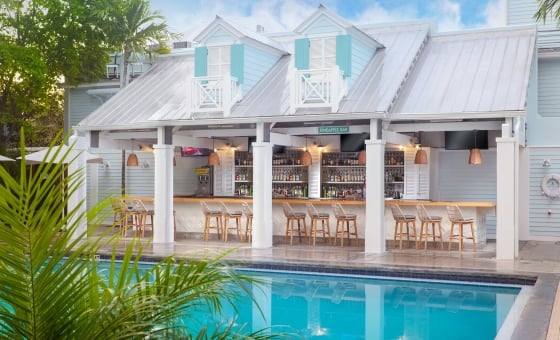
x: 465, y: 140
x: 353, y: 142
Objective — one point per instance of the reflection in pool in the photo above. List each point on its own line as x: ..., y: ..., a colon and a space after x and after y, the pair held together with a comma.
x: 336, y: 307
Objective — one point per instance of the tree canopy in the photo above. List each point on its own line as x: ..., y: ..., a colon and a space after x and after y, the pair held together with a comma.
x: 46, y: 43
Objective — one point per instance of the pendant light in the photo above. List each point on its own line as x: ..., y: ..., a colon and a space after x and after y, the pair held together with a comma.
x: 362, y: 157
x: 132, y: 159
x: 305, y: 158
x: 213, y: 157
x: 421, y: 156
x: 475, y: 156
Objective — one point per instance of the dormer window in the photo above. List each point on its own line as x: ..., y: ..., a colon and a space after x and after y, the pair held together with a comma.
x: 322, y: 53
x: 219, y: 61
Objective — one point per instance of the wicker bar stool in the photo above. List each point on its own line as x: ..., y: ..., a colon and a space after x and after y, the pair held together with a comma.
x: 209, y: 215
x: 291, y: 218
x: 318, y: 217
x: 456, y: 218
x: 248, y: 212
x: 408, y: 221
x: 427, y: 220
x: 229, y: 215
x: 343, y: 227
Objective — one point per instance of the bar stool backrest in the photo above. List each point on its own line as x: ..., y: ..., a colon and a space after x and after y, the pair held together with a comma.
x: 205, y: 208
x: 287, y: 208
x: 422, y: 212
x: 247, y: 209
x: 139, y: 206
x: 338, y: 210
x: 397, y: 212
x: 224, y: 208
x: 454, y: 213
x: 311, y: 210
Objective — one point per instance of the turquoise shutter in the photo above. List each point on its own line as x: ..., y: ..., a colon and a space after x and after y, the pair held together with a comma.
x: 237, y: 61
x: 344, y: 54
x: 302, y: 54
x: 200, y: 61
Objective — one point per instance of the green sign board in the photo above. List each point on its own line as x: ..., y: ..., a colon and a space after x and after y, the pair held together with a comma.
x: 332, y: 130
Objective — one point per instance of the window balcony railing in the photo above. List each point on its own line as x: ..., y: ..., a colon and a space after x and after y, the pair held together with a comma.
x: 215, y: 94
x: 318, y: 88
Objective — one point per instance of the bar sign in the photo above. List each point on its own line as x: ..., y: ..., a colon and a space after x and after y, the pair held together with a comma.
x: 330, y: 130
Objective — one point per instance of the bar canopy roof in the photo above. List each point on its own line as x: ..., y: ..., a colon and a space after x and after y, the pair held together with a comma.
x: 416, y: 76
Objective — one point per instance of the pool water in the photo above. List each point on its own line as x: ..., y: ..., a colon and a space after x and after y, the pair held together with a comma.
x: 317, y: 306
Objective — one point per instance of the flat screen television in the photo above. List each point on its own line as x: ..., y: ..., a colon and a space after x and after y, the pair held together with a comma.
x: 353, y: 142
x: 189, y: 151
x: 465, y: 140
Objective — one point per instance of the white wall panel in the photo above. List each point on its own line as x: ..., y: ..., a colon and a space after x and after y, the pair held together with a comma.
x: 540, y: 222
x: 459, y: 181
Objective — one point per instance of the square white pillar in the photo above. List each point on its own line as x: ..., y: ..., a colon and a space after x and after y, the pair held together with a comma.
x: 375, y: 201
x: 262, y: 195
x: 163, y: 198
x: 507, y: 244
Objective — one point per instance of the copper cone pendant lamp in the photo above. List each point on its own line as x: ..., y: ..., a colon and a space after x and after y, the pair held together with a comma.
x: 132, y: 159
x: 362, y: 157
x: 213, y: 157
x: 306, y: 158
x: 475, y: 156
x: 421, y: 157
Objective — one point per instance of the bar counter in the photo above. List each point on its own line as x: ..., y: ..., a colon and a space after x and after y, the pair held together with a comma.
x: 191, y: 220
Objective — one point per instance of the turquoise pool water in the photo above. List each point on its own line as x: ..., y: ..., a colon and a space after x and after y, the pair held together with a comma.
x: 316, y: 306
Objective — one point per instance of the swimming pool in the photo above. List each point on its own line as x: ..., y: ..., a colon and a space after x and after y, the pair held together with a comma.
x: 350, y: 307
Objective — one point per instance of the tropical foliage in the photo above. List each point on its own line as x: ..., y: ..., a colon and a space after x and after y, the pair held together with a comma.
x: 51, y: 286
x: 132, y: 28
x: 548, y: 9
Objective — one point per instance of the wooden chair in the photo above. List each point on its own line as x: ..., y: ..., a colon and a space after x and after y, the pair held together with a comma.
x: 343, y: 227
x: 427, y: 220
x: 318, y: 217
x: 229, y: 215
x: 292, y: 217
x: 456, y: 218
x: 248, y: 212
x: 209, y: 215
x: 140, y: 215
x: 408, y: 221
x: 123, y: 215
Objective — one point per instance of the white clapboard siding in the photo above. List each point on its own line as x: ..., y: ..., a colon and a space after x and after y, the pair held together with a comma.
x: 540, y: 222
x: 416, y: 176
x: 460, y: 181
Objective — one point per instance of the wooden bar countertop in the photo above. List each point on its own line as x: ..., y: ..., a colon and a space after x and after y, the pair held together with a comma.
x: 327, y: 201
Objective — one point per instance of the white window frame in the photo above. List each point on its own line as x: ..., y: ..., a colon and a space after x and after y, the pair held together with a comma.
x: 319, y: 58
x: 219, y: 60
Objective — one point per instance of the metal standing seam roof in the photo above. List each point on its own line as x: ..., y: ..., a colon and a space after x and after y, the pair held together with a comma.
x: 159, y: 93
x: 483, y: 71
x: 470, y: 72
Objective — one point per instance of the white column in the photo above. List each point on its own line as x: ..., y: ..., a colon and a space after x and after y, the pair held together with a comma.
x: 77, y: 199
x: 262, y: 195
x: 375, y: 200
x: 163, y: 189
x: 506, y: 197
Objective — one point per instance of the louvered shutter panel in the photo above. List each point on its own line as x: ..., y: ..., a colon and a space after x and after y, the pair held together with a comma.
x: 302, y: 54
x: 200, y: 61
x: 344, y: 54
x: 237, y: 60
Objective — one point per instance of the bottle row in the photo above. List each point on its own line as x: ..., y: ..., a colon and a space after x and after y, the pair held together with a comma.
x: 243, y: 190
x: 394, y: 175
x: 289, y: 174
x: 289, y: 191
x: 350, y: 191
x: 394, y: 158
x: 343, y: 175
x: 340, y: 159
